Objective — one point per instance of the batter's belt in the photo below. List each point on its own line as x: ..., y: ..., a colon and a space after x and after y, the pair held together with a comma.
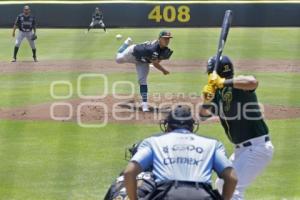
x: 261, y: 139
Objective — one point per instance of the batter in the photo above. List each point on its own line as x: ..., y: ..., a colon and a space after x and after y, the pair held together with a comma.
x: 234, y: 100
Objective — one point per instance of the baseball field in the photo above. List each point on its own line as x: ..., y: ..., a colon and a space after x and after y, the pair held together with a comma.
x: 52, y: 159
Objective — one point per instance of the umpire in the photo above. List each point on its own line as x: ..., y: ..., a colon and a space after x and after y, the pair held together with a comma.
x: 26, y: 24
x: 182, y: 162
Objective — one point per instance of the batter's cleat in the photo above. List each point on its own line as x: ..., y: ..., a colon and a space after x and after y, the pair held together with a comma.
x: 14, y: 60
x: 145, y: 107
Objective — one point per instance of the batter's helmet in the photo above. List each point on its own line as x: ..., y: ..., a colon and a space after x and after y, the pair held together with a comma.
x: 225, y: 68
x: 180, y: 117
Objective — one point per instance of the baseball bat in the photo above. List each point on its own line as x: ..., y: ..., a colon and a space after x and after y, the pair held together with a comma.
x: 224, y: 33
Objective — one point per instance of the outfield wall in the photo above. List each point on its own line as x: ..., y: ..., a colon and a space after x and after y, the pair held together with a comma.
x: 157, y: 14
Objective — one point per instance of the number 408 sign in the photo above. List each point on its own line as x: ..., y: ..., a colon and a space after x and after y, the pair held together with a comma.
x: 170, y: 13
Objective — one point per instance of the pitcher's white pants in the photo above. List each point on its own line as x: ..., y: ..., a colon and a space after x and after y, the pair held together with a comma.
x: 249, y: 162
x: 142, y: 69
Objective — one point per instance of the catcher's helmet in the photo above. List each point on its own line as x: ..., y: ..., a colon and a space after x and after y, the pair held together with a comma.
x: 180, y: 117
x: 225, y: 68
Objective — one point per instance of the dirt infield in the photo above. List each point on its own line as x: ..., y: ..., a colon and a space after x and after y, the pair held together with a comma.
x: 110, y: 66
x: 127, y: 110
x: 122, y: 110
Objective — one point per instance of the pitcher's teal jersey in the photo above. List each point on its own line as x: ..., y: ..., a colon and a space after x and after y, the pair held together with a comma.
x: 183, y: 156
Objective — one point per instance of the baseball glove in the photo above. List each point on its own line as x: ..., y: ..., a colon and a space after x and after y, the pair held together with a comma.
x: 166, y: 54
x: 33, y: 37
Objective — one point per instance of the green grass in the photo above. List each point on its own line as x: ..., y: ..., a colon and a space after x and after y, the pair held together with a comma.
x: 243, y: 43
x: 48, y: 160
x: 33, y: 88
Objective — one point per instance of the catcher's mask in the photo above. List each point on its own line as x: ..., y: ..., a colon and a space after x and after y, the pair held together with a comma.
x: 225, y: 68
x: 180, y: 117
x: 129, y: 152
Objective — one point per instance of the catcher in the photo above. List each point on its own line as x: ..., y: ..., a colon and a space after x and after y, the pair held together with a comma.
x: 26, y: 24
x: 234, y: 100
x: 146, y: 183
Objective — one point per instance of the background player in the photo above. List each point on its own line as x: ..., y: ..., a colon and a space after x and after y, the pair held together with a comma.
x: 142, y: 55
x: 182, y: 162
x: 234, y: 100
x: 97, y: 19
x: 26, y: 24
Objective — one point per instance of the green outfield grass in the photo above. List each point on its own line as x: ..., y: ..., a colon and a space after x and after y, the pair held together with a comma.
x: 32, y: 88
x: 47, y: 160
x: 243, y: 43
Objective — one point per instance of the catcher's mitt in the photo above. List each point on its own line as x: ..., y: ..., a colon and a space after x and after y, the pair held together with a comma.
x: 33, y: 37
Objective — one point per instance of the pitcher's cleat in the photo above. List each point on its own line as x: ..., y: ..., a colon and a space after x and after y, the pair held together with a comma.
x: 128, y: 41
x: 145, y: 107
x: 125, y: 45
